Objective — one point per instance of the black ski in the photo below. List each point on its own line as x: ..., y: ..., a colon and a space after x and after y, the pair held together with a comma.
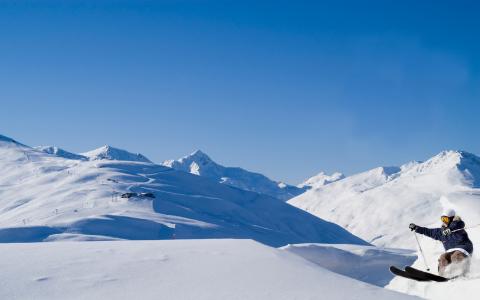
x: 405, y: 274
x: 426, y: 275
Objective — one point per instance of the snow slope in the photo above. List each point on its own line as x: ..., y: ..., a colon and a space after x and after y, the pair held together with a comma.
x: 365, y: 263
x: 46, y: 197
x: 112, y: 153
x: 201, y: 164
x: 207, y: 269
x: 378, y: 205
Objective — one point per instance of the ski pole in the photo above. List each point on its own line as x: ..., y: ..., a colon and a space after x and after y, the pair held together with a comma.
x: 421, y: 251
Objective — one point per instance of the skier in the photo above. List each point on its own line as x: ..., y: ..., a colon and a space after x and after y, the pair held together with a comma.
x: 454, y: 238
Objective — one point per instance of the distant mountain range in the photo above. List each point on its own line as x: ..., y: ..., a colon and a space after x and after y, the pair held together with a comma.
x: 61, y: 194
x: 50, y: 194
x: 199, y: 163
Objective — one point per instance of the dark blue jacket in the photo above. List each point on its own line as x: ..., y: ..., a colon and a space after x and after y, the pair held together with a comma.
x: 458, y: 239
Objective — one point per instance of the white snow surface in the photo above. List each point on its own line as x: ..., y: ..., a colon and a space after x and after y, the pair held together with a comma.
x: 47, y: 197
x: 201, y: 164
x: 187, y: 269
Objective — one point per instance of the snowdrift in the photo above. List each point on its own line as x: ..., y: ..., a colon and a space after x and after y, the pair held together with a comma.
x: 365, y: 263
x: 206, y: 269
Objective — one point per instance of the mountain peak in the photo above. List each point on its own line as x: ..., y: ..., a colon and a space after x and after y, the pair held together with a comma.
x: 198, y: 152
x: 199, y: 155
x: 111, y: 153
x: 192, y: 163
x: 449, y: 160
x: 446, y: 155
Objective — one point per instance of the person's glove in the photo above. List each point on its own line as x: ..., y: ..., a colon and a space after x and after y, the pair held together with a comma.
x: 412, y: 226
x: 446, y: 232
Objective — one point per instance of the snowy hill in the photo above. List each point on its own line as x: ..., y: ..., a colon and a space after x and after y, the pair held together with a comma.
x: 378, y: 205
x: 112, y: 153
x: 321, y: 179
x: 60, y: 152
x: 47, y: 197
x: 201, y: 164
x: 200, y: 269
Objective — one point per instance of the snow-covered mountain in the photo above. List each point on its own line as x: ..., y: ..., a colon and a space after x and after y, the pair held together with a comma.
x: 201, y: 164
x: 60, y: 152
x: 48, y: 197
x: 112, y: 153
x: 378, y: 205
x: 320, y: 179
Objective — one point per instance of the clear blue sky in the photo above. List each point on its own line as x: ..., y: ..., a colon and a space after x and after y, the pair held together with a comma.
x: 286, y: 88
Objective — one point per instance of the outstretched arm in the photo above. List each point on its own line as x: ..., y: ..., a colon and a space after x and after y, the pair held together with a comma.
x: 434, y: 233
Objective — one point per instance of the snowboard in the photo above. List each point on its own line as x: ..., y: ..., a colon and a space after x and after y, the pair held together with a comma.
x: 427, y: 275
x: 405, y: 274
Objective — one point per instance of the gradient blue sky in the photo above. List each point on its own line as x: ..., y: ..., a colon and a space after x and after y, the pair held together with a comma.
x: 286, y: 88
